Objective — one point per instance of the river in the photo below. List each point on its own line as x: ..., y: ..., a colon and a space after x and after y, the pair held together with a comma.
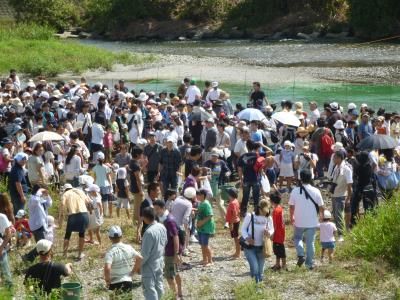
x: 295, y: 70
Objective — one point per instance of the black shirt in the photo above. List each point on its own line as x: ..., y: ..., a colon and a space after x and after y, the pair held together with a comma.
x: 255, y: 96
x: 133, y: 167
x: 47, y: 274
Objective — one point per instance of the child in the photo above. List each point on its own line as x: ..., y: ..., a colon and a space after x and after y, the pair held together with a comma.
x: 327, y: 236
x: 286, y: 159
x: 22, y: 228
x: 122, y: 191
x: 102, y: 175
x: 278, y: 238
x: 170, y: 196
x: 108, y: 143
x: 50, y: 231
x: 233, y: 219
x: 205, y: 226
x: 96, y: 213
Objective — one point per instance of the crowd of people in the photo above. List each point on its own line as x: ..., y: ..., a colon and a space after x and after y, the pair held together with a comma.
x: 167, y: 160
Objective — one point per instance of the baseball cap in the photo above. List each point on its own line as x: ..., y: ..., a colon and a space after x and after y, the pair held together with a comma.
x: 214, y: 84
x: 67, y: 186
x: 43, y: 246
x: 210, y: 120
x: 115, y: 231
x: 20, y: 213
x: 101, y: 156
x: 351, y: 106
x: 189, y: 193
x: 327, y: 214
x: 44, y: 94
x: 20, y: 156
x: 171, y: 139
x: 93, y: 188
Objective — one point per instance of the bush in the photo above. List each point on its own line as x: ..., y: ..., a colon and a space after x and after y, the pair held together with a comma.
x: 202, y: 10
x: 376, y: 235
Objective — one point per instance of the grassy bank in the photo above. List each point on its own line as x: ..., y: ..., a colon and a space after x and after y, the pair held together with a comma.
x: 32, y: 50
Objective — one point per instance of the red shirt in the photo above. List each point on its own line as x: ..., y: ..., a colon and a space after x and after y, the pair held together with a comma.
x: 232, y: 212
x: 21, y: 225
x: 279, y: 225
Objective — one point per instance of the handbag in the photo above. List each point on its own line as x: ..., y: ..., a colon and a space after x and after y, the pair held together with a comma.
x: 242, y: 241
x: 267, y: 249
x: 266, y: 187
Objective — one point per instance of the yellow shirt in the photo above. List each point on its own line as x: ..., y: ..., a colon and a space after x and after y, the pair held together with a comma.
x: 74, y: 201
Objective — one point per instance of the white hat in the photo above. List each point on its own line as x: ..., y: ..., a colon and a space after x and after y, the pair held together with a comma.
x: 214, y: 84
x: 246, y: 128
x: 287, y: 143
x: 334, y: 106
x: 26, y: 95
x: 124, y: 126
x: 337, y: 147
x: 86, y: 180
x: 189, y: 193
x: 215, y: 152
x: 43, y: 246
x: 100, y: 155
x: 57, y: 94
x: 50, y: 220
x: 143, y: 141
x: 327, y: 214
x: 170, y: 138
x: 20, y: 213
x: 80, y: 92
x: 129, y: 95
x: 115, y: 231
x: 210, y: 120
x: 44, y: 94
x: 142, y: 97
x: 351, y: 106
x: 93, y: 188
x: 364, y: 105
x: 339, y: 124
x: 152, y: 93
x: 67, y: 186
x: 269, y: 108
x: 20, y: 156
x: 121, y: 173
x: 31, y: 83
x: 54, y: 105
x: 152, y: 101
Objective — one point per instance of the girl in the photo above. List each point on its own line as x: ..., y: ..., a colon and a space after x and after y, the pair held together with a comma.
x: 301, y: 134
x: 108, y: 143
x: 49, y: 166
x: 122, y: 191
x: 73, y: 166
x: 102, y: 176
x: 205, y: 226
x: 286, y: 159
x: 233, y: 219
x: 327, y: 236
x: 96, y: 213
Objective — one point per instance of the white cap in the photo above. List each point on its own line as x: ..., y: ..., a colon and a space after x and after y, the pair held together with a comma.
x: 364, y: 105
x: 44, y: 94
x: 93, y: 188
x: 142, y: 97
x: 170, y: 138
x: 339, y: 124
x: 121, y: 173
x: 129, y: 95
x: 327, y: 214
x: 210, y: 120
x: 50, y: 220
x: 100, y: 155
x: 214, y: 84
x: 43, y: 246
x: 351, y: 106
x: 152, y: 101
x: 269, y: 108
x: 21, y: 213
x: 287, y: 143
x: 334, y: 105
x: 189, y: 193
x: 67, y: 186
x: 337, y: 147
x: 124, y: 126
x: 26, y: 95
x: 115, y: 231
x: 246, y: 128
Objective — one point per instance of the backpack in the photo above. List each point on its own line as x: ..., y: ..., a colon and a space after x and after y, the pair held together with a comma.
x: 3, y: 162
x: 274, y: 137
x: 259, y: 164
x: 289, y: 134
x: 326, y: 144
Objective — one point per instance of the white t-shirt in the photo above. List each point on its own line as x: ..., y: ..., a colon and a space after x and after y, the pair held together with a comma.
x: 327, y: 232
x: 6, y: 154
x: 4, y: 224
x: 261, y: 223
x: 304, y: 164
x: 191, y: 93
x: 240, y: 147
x: 94, y: 99
x: 213, y: 95
x: 315, y: 114
x: 97, y: 134
x: 81, y: 117
x: 305, y: 214
x: 121, y: 257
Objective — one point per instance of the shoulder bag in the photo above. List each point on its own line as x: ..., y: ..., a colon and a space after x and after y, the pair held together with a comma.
x: 242, y: 241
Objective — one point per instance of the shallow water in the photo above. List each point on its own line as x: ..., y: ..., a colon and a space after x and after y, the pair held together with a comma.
x: 283, y: 54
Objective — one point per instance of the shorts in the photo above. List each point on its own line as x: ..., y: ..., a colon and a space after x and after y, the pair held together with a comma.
x: 203, y: 238
x: 235, y: 230
x: 328, y: 245
x: 123, y: 203
x: 77, y: 223
x: 170, y: 268
x: 105, y: 192
x: 279, y: 250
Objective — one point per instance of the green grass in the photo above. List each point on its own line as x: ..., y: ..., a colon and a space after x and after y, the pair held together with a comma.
x: 32, y: 50
x: 249, y: 290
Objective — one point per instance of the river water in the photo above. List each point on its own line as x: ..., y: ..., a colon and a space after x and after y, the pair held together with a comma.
x: 287, y: 55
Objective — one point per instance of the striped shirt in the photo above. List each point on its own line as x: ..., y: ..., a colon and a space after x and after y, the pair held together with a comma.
x: 121, y: 258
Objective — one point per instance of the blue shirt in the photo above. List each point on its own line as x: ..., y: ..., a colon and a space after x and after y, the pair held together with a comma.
x: 246, y: 162
x: 365, y: 130
x: 257, y: 137
x: 17, y: 174
x: 38, y: 206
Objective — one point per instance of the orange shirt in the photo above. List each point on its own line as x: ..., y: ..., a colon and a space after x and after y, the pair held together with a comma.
x: 232, y: 212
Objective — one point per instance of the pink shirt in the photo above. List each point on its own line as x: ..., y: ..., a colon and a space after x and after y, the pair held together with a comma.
x: 327, y: 232
x: 108, y: 140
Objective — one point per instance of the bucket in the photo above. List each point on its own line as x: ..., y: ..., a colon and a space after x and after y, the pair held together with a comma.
x: 71, y: 291
x: 224, y: 194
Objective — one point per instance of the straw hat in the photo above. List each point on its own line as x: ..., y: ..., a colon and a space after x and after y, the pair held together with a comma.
x: 301, y: 130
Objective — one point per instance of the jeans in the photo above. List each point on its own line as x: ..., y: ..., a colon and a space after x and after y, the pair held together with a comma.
x: 309, y: 233
x: 38, y: 235
x: 169, y: 181
x: 5, y: 269
x: 247, y: 186
x: 256, y: 260
x: 338, y: 210
x: 153, y: 287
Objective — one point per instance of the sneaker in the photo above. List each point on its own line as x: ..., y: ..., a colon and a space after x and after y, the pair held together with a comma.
x: 193, y: 239
x: 340, y: 239
x: 226, y: 226
x: 300, y: 261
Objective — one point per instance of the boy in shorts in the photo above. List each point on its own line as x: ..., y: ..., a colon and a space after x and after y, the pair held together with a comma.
x: 279, y: 233
x: 233, y: 219
x: 122, y: 191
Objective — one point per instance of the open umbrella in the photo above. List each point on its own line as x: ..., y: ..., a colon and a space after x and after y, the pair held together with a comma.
x: 286, y: 118
x: 46, y: 136
x: 251, y: 114
x: 378, y: 142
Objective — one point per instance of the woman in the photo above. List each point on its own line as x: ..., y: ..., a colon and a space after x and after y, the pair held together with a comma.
x: 223, y: 140
x: 263, y: 226
x: 192, y: 179
x: 387, y: 172
x: 6, y: 207
x: 219, y: 172
x: 179, y: 129
x: 73, y: 166
x: 38, y: 206
x: 102, y: 176
x: 134, y: 129
x: 36, y: 172
x: 97, y: 134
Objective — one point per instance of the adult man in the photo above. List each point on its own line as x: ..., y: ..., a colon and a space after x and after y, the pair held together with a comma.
x: 192, y: 93
x: 152, y: 194
x: 210, y: 140
x: 152, y: 151
x: 306, y: 160
x: 306, y: 208
x: 120, y: 263
x: 213, y: 94
x: 173, y: 249
x: 257, y: 97
x: 342, y: 178
x: 182, y: 209
x: 249, y: 178
x: 86, y: 120
x: 240, y: 146
x: 365, y: 128
x: 315, y: 114
x: 170, y: 161
x: 153, y: 248
x: 136, y: 182
x: 17, y: 184
x: 74, y: 201
x: 323, y: 161
x: 46, y: 273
